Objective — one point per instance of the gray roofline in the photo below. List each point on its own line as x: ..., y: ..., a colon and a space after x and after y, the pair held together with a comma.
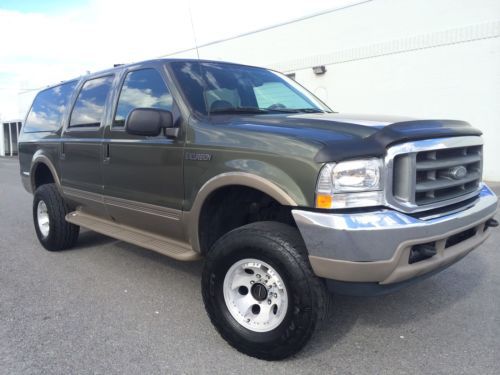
x: 331, y: 10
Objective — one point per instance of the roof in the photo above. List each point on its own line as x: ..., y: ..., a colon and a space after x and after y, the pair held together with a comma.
x: 124, y: 66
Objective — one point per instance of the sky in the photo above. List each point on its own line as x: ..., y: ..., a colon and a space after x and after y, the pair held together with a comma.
x: 43, y: 42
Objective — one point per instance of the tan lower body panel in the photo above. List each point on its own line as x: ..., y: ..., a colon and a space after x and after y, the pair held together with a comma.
x: 397, y: 268
x: 163, y: 245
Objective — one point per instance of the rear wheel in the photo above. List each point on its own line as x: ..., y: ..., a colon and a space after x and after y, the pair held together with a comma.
x: 49, y: 212
x: 260, y: 292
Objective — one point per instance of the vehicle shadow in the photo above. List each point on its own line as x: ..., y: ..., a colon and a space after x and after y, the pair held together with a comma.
x: 88, y: 238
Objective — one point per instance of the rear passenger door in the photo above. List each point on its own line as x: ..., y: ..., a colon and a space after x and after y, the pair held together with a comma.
x: 143, y: 175
x: 81, y: 146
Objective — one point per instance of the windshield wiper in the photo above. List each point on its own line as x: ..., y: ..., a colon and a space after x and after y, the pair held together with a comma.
x: 310, y: 110
x: 239, y: 110
x: 282, y: 110
x: 256, y: 110
x: 295, y: 110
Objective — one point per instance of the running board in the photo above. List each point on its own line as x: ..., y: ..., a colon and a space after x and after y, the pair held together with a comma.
x: 160, y: 244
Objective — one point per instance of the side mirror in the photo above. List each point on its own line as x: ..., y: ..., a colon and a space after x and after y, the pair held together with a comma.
x: 148, y: 121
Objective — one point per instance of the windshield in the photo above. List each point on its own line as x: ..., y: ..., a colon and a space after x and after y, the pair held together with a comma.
x: 221, y: 88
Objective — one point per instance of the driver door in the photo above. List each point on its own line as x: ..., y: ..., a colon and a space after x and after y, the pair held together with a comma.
x: 143, y: 185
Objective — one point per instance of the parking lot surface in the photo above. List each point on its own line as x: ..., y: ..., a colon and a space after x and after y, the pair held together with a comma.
x: 107, y: 307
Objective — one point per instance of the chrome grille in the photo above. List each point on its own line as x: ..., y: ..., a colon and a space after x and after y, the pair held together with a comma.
x: 434, y: 173
x: 435, y: 179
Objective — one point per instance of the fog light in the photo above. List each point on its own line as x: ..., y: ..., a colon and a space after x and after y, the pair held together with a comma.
x: 422, y: 252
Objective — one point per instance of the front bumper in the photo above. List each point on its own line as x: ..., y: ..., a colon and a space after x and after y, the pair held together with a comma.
x: 374, y: 246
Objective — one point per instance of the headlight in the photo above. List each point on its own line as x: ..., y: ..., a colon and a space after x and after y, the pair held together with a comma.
x: 353, y: 183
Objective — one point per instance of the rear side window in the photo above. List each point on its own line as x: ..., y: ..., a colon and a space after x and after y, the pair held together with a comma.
x: 48, y: 108
x: 89, y: 106
x: 142, y: 89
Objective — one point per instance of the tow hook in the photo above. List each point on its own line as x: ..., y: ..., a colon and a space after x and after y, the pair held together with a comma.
x: 491, y: 223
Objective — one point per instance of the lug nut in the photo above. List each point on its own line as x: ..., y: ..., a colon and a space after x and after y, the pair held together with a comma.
x: 268, y: 301
x: 258, y: 276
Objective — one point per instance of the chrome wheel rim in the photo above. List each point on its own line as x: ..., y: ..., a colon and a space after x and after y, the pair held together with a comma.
x: 255, y: 295
x: 42, y: 216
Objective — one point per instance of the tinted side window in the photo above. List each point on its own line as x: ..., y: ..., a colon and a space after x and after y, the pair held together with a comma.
x: 142, y: 89
x: 48, y: 108
x: 89, y: 106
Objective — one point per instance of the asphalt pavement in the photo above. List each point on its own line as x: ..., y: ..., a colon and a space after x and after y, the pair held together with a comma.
x: 108, y: 307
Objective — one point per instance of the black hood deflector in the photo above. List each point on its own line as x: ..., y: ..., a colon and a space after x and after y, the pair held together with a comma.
x: 399, y: 132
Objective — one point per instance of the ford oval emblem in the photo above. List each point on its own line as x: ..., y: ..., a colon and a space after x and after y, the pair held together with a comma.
x: 458, y: 172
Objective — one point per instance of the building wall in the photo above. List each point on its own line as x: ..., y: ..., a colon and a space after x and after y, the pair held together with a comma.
x: 421, y: 58
x: 9, y: 134
x: 2, y: 141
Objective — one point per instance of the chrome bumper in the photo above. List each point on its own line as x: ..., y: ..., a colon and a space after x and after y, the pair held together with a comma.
x: 374, y: 246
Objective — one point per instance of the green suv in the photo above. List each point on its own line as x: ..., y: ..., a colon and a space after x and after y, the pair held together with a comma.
x: 285, y: 199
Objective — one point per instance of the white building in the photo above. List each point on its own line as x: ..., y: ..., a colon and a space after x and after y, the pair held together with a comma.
x: 9, y: 132
x: 420, y: 58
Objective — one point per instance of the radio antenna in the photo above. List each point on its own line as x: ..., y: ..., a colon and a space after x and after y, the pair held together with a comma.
x: 194, y: 31
x: 197, y: 52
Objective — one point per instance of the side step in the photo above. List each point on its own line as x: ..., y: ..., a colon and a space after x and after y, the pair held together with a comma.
x: 163, y: 245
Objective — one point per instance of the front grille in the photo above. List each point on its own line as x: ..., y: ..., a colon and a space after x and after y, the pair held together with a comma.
x: 435, y: 180
x: 426, y: 177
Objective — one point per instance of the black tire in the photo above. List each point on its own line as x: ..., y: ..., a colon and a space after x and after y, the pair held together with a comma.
x: 61, y: 234
x: 282, y: 247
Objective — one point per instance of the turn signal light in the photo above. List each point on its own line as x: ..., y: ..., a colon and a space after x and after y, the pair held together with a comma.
x: 323, y: 201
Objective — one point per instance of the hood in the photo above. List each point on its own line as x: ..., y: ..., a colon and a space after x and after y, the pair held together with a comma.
x: 345, y: 136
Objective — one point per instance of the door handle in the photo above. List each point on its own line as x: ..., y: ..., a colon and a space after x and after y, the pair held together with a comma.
x: 62, y: 154
x: 106, y: 154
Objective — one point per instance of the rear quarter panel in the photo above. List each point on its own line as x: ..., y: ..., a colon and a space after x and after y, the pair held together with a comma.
x: 31, y: 147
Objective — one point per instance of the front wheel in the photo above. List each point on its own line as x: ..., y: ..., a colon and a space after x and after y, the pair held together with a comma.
x: 260, y: 292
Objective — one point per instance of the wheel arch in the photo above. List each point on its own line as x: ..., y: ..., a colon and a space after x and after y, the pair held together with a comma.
x: 42, y: 164
x: 229, y: 180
